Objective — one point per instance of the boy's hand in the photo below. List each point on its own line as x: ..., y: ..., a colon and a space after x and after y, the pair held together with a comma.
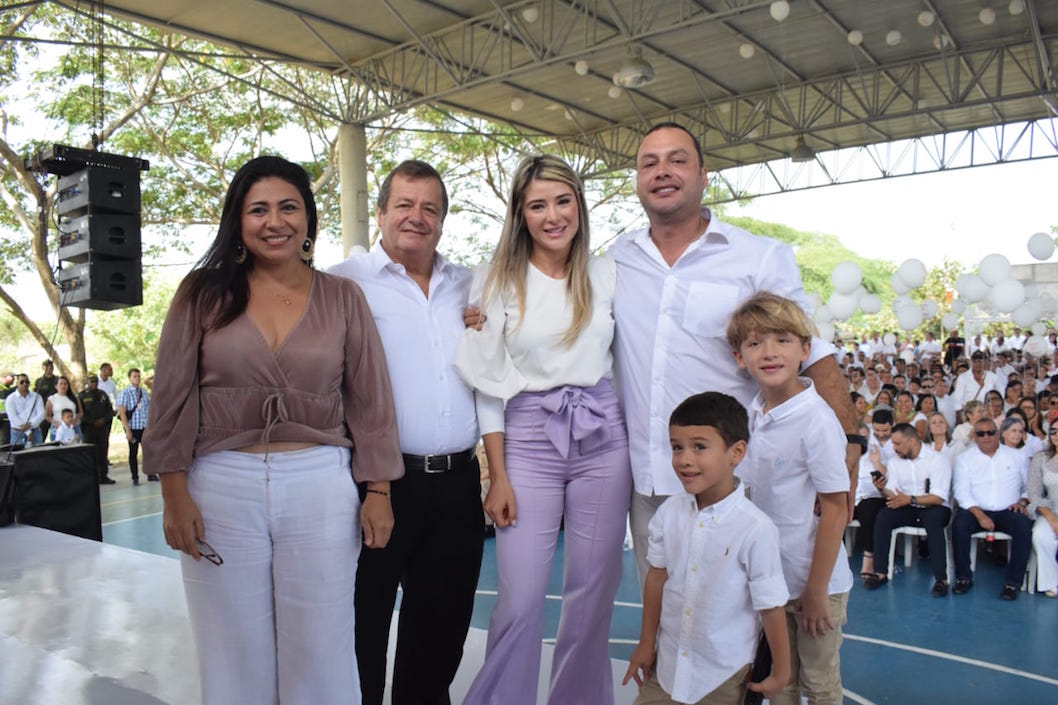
x: 771, y: 685
x: 642, y: 659
x: 816, y: 619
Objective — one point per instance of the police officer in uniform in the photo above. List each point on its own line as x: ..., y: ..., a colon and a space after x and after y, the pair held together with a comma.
x: 95, y: 425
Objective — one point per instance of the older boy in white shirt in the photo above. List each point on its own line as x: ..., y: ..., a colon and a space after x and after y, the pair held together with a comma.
x: 795, y: 461
x: 714, y: 565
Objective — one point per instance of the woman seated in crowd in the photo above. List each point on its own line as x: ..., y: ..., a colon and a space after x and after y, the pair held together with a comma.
x: 925, y: 406
x: 994, y: 407
x: 859, y: 404
x: 905, y: 413
x: 1043, y: 507
x: 938, y: 437
x: 869, y: 502
x: 1035, y: 424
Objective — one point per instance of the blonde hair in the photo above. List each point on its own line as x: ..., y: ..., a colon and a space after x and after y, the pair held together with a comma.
x: 510, y: 261
x: 765, y: 312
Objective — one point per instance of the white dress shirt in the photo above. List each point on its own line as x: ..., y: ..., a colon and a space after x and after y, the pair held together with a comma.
x: 723, y: 568
x: 796, y: 451
x: 510, y: 355
x: 109, y: 386
x: 24, y: 409
x: 65, y: 434
x: 435, y: 410
x: 946, y: 406
x: 671, y: 337
x: 993, y: 483
x: 967, y: 388
x: 911, y: 476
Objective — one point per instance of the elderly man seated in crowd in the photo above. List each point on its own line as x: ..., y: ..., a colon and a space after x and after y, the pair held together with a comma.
x: 990, y: 486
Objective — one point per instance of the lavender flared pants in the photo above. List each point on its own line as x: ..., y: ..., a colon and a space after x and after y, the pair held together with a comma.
x: 566, y: 454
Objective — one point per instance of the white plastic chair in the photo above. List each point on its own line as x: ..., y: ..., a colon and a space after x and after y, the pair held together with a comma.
x: 909, y: 533
x: 1029, y: 582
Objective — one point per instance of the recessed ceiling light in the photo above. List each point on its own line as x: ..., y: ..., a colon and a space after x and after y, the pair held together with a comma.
x: 746, y: 50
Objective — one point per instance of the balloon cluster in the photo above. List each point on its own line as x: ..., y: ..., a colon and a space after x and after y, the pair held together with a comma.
x: 991, y: 287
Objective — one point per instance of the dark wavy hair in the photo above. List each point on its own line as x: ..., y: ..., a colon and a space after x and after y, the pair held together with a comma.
x: 218, y: 285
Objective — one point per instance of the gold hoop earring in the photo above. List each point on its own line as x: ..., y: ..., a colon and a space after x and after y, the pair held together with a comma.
x: 308, y: 247
x: 240, y: 253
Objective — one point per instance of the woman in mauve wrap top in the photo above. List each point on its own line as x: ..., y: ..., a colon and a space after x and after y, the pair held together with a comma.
x: 271, y: 396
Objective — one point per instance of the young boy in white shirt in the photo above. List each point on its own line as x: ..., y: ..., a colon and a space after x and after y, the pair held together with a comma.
x: 65, y: 432
x: 795, y: 472
x: 714, y: 567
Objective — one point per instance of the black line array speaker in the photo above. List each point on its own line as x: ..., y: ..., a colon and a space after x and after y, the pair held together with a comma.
x: 99, y: 238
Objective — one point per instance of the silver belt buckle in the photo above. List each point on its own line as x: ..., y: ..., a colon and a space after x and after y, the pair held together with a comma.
x: 426, y: 465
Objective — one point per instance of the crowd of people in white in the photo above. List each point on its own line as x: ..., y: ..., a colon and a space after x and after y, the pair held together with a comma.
x: 960, y: 434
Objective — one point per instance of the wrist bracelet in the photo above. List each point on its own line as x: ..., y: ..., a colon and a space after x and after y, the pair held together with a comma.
x: 381, y: 492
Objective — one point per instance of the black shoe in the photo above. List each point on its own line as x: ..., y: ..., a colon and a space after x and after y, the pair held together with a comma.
x: 152, y: 478
x: 875, y: 581
x: 107, y: 481
x: 962, y: 586
x: 135, y: 480
x: 940, y: 588
x: 1010, y: 593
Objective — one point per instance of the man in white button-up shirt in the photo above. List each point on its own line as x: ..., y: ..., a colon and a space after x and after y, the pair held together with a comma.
x: 678, y: 281
x: 417, y: 299
x: 916, y: 485
x: 25, y: 411
x: 990, y: 487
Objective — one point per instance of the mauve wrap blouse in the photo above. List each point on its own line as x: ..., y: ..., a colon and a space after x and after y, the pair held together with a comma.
x: 327, y: 384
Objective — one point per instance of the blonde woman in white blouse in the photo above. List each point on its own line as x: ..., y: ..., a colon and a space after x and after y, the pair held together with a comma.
x: 554, y: 437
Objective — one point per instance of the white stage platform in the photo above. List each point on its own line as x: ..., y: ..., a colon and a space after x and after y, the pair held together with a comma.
x: 86, y: 623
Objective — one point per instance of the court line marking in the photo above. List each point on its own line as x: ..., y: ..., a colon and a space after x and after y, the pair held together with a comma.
x: 116, y: 502
x: 128, y: 519
x: 953, y: 657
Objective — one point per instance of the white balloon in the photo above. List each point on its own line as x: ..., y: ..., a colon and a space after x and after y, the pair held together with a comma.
x: 1026, y: 314
x: 897, y: 284
x: 994, y: 268
x: 971, y: 287
x: 912, y: 272
x: 870, y: 304
x: 842, y: 305
x: 1007, y: 295
x: 1039, y: 328
x: 845, y: 277
x: 780, y: 10
x: 958, y: 306
x: 909, y: 317
x: 950, y: 321
x: 826, y: 330
x: 814, y: 299
x: 888, y: 338
x: 1041, y: 246
x: 823, y: 314
x: 1036, y: 346
x: 929, y: 308
x: 900, y: 302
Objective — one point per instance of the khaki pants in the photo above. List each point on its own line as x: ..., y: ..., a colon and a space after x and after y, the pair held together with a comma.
x: 815, y: 662
x: 730, y: 692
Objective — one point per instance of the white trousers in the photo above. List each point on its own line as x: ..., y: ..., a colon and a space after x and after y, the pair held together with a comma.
x: 274, y: 624
x: 1045, y: 543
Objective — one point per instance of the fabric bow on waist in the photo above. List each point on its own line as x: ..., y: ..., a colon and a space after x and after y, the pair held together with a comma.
x: 273, y: 411
x: 575, y: 414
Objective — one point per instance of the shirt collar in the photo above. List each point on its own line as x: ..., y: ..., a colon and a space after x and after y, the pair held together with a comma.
x: 715, y: 233
x: 787, y: 408
x: 720, y: 509
x: 379, y: 260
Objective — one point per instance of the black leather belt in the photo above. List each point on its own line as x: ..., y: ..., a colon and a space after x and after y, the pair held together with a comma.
x: 439, y: 463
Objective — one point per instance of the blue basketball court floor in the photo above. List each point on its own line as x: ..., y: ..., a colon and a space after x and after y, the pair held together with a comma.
x: 901, y: 645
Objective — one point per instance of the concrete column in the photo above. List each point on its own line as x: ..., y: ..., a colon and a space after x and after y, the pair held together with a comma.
x: 352, y: 178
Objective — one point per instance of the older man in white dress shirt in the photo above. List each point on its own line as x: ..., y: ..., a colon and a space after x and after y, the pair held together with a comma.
x: 417, y: 299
